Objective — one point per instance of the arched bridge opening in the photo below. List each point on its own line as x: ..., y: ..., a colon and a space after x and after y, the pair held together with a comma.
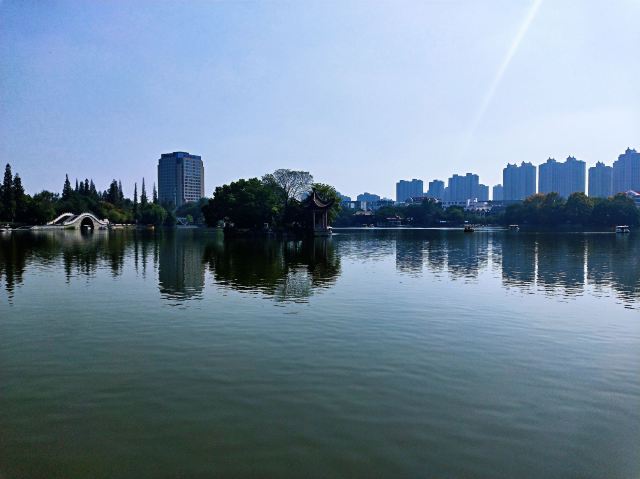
x: 87, y: 223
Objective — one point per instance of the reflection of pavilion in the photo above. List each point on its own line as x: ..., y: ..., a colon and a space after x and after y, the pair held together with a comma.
x: 286, y: 270
x: 180, y: 266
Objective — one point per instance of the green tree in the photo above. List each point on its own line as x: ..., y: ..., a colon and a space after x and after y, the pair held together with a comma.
x: 578, y: 209
x: 41, y: 208
x: 20, y: 199
x: 329, y: 194
x: 291, y: 184
x: 8, y: 195
x: 66, y: 188
x: 243, y: 203
x: 135, y: 201
x: 151, y: 214
x: 143, y: 196
x: 155, y: 195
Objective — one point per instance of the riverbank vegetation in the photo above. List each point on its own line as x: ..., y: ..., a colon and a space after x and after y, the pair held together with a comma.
x: 274, y: 202
x: 18, y: 207
x: 538, y: 211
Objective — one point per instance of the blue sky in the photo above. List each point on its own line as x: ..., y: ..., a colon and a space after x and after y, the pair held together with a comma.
x: 359, y: 93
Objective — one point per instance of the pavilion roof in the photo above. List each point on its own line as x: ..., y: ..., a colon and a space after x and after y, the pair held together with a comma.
x: 314, y: 201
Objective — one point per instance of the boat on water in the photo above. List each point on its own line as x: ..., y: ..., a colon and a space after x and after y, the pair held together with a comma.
x: 469, y: 229
x: 623, y: 229
x: 514, y: 228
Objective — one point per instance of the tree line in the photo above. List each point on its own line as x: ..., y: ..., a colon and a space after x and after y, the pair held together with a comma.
x: 18, y: 207
x: 275, y: 200
x: 540, y: 210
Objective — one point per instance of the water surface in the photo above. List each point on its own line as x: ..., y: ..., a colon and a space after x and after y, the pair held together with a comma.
x: 375, y: 353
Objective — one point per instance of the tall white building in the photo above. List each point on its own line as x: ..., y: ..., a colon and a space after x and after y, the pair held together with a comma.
x: 180, y: 178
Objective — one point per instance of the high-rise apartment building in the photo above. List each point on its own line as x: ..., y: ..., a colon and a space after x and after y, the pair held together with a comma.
x: 483, y: 193
x: 436, y: 189
x: 180, y: 178
x: 498, y: 193
x: 409, y: 189
x: 600, y: 181
x: 463, y: 188
x: 562, y: 178
x: 626, y: 172
x: 519, y: 182
x: 368, y: 197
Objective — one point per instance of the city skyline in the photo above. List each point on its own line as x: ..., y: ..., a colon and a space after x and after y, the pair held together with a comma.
x: 347, y: 88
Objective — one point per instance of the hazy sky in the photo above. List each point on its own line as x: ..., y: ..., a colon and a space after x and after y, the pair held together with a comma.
x: 359, y: 93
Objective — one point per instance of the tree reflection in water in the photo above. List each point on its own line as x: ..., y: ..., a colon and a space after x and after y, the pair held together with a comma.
x: 287, y: 270
x: 561, y: 265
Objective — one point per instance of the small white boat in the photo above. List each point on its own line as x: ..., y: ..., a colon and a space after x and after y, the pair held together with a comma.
x: 623, y: 229
x: 514, y: 228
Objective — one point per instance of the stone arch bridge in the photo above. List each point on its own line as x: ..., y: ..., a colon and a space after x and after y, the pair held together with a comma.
x: 74, y: 221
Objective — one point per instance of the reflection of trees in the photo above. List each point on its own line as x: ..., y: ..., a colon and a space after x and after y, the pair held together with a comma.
x: 180, y: 263
x: 518, y: 258
x: 561, y: 260
x: 12, y: 263
x: 467, y: 254
x: 614, y: 260
x: 286, y: 270
x: 409, y: 255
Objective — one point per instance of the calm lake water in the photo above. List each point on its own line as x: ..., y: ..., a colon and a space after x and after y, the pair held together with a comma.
x: 375, y: 353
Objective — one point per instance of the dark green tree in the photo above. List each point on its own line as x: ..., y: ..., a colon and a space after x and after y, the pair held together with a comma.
x: 243, y: 203
x: 329, y: 194
x: 120, y: 199
x: 135, y: 201
x: 66, y: 189
x: 578, y: 209
x: 155, y: 195
x: 8, y: 196
x: 143, y: 195
x: 151, y: 214
x: 20, y: 198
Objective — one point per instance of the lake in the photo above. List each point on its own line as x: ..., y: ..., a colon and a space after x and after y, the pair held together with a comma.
x: 374, y: 353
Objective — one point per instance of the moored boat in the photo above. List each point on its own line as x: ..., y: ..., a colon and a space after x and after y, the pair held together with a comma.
x: 623, y: 229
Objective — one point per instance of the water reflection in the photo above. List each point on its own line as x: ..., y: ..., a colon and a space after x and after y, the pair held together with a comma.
x: 562, y: 265
x: 181, y: 264
x: 285, y: 270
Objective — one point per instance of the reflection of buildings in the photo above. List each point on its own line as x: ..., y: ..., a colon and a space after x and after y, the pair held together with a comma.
x: 614, y: 261
x: 409, y: 256
x: 467, y: 254
x: 561, y: 262
x: 181, y: 266
x: 519, y: 261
